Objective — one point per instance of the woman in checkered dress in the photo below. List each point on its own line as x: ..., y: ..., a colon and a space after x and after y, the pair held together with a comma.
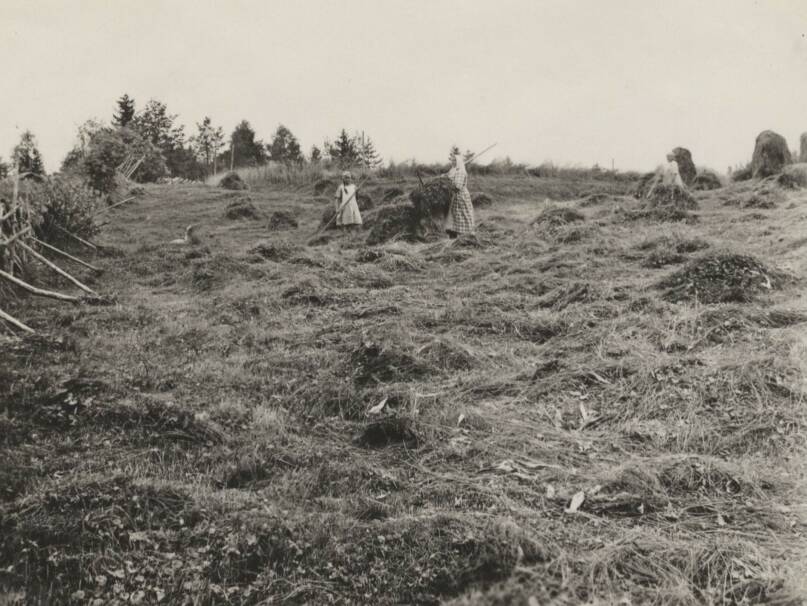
x: 461, y: 212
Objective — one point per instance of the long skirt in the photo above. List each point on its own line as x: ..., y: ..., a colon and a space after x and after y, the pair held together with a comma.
x: 461, y: 214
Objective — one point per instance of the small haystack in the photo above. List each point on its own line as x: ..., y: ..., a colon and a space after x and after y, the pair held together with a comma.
x: 481, y: 201
x: 555, y: 217
x: 241, y: 208
x: 232, y: 181
x: 282, y: 220
x: 686, y: 167
x: 706, y: 180
x: 324, y: 185
x: 771, y: 155
x: 364, y: 201
x: 721, y: 278
x: 670, y: 196
x: 793, y: 176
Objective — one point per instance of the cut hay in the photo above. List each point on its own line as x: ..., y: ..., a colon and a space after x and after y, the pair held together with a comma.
x: 793, y: 176
x: 232, y: 181
x: 705, y: 181
x: 275, y: 251
x: 387, y: 432
x: 280, y: 220
x: 721, y: 278
x: 241, y: 209
x: 670, y: 196
x: 390, y: 193
x: 378, y: 363
x: 323, y: 185
x: 397, y: 221
x: 555, y: 217
x: 364, y: 201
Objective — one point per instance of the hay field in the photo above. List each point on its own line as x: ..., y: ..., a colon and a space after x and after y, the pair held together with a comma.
x: 565, y: 420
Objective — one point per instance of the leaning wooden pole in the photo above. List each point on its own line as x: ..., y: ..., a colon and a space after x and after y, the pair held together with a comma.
x: 38, y: 291
x: 67, y: 255
x: 108, y: 208
x: 76, y: 238
x: 58, y: 269
x: 15, y: 322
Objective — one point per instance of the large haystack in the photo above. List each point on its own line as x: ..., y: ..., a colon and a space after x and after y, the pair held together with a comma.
x: 803, y: 150
x: 399, y: 220
x: 686, y: 167
x: 232, y: 181
x: 706, y: 180
x: 771, y: 154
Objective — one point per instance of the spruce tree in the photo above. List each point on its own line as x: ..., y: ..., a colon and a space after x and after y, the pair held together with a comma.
x: 126, y: 111
x: 26, y: 156
x: 370, y: 158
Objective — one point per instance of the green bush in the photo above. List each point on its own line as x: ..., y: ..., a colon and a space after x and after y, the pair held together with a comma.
x: 109, y: 148
x: 63, y: 203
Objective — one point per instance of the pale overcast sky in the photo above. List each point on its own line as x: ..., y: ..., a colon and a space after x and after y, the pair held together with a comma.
x: 574, y: 81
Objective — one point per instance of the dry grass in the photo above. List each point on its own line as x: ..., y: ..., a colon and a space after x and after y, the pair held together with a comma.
x: 260, y: 421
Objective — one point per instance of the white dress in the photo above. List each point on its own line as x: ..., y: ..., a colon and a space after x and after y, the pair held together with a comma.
x: 350, y: 214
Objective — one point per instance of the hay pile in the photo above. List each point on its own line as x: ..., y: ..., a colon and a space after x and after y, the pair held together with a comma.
x: 555, y: 217
x: 232, y: 181
x: 771, y: 154
x: 721, y: 278
x: 322, y: 186
x: 706, y: 180
x: 364, y: 201
x: 481, y: 201
x: 375, y: 363
x: 391, y: 193
x: 793, y: 176
x: 686, y: 167
x: 282, y: 220
x: 241, y: 208
x: 670, y: 196
x: 419, y: 219
x: 274, y: 251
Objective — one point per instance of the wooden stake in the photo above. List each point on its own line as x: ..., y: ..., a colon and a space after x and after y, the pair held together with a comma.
x: 58, y: 270
x: 38, y: 291
x: 108, y: 208
x: 15, y: 322
x: 8, y: 214
x: 76, y: 238
x: 11, y: 239
x: 67, y: 255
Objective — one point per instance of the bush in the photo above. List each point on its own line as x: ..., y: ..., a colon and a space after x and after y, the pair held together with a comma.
x: 107, y: 150
x: 64, y: 203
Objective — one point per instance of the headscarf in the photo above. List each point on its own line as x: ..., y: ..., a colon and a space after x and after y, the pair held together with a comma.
x: 459, y: 164
x: 346, y: 174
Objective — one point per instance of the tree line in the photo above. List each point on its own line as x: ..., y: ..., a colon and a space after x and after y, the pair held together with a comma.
x: 153, y: 139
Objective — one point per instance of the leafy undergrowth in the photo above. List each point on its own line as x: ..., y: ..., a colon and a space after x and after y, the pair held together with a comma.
x: 517, y: 417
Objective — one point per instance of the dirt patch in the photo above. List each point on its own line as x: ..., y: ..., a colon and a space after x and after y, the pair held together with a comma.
x: 232, y: 181
x: 721, y: 278
x: 280, y: 220
x: 241, y: 209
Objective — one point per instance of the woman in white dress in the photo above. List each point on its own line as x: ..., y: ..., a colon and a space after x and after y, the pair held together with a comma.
x: 461, y: 212
x: 347, y: 208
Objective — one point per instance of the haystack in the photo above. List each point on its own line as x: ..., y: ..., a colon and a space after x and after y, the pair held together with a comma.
x: 771, y: 154
x: 282, y: 220
x: 481, y: 201
x: 232, y: 181
x: 364, y: 201
x: 706, y: 180
x: 670, y: 196
x: 241, y: 208
x: 793, y: 176
x: 391, y: 193
x: 686, y: 167
x: 803, y: 150
x: 322, y: 186
x: 423, y: 216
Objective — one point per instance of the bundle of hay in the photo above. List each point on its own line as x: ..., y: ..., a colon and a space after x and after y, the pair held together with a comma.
x: 686, y: 167
x: 793, y: 176
x: 670, y: 196
x: 706, y: 180
x: 232, y: 181
x: 419, y: 219
x: 322, y: 186
x: 721, y: 278
x: 391, y: 193
x: 481, y: 201
x: 241, y: 208
x: 771, y: 154
x: 282, y: 220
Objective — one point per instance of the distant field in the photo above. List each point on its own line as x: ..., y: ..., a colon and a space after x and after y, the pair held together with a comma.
x: 565, y: 419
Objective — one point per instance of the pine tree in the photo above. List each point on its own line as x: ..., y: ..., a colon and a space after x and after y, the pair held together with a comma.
x: 126, y: 111
x: 245, y: 149
x: 316, y: 154
x: 370, y: 158
x: 26, y: 156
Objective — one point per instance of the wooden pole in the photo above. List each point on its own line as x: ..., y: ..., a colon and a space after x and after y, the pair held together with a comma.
x: 108, y: 208
x: 58, y: 270
x: 75, y: 237
x: 67, y: 255
x: 38, y: 291
x: 8, y: 214
x: 15, y: 322
x: 11, y: 239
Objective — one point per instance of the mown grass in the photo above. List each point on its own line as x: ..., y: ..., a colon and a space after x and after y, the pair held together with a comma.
x: 207, y: 439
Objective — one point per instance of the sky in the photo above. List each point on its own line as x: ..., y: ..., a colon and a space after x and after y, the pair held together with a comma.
x: 575, y: 82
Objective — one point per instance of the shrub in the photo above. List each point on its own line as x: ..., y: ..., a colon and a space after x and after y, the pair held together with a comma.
x: 109, y: 147
x: 64, y: 203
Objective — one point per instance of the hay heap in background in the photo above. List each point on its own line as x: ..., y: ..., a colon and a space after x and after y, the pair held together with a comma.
x: 232, y: 181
